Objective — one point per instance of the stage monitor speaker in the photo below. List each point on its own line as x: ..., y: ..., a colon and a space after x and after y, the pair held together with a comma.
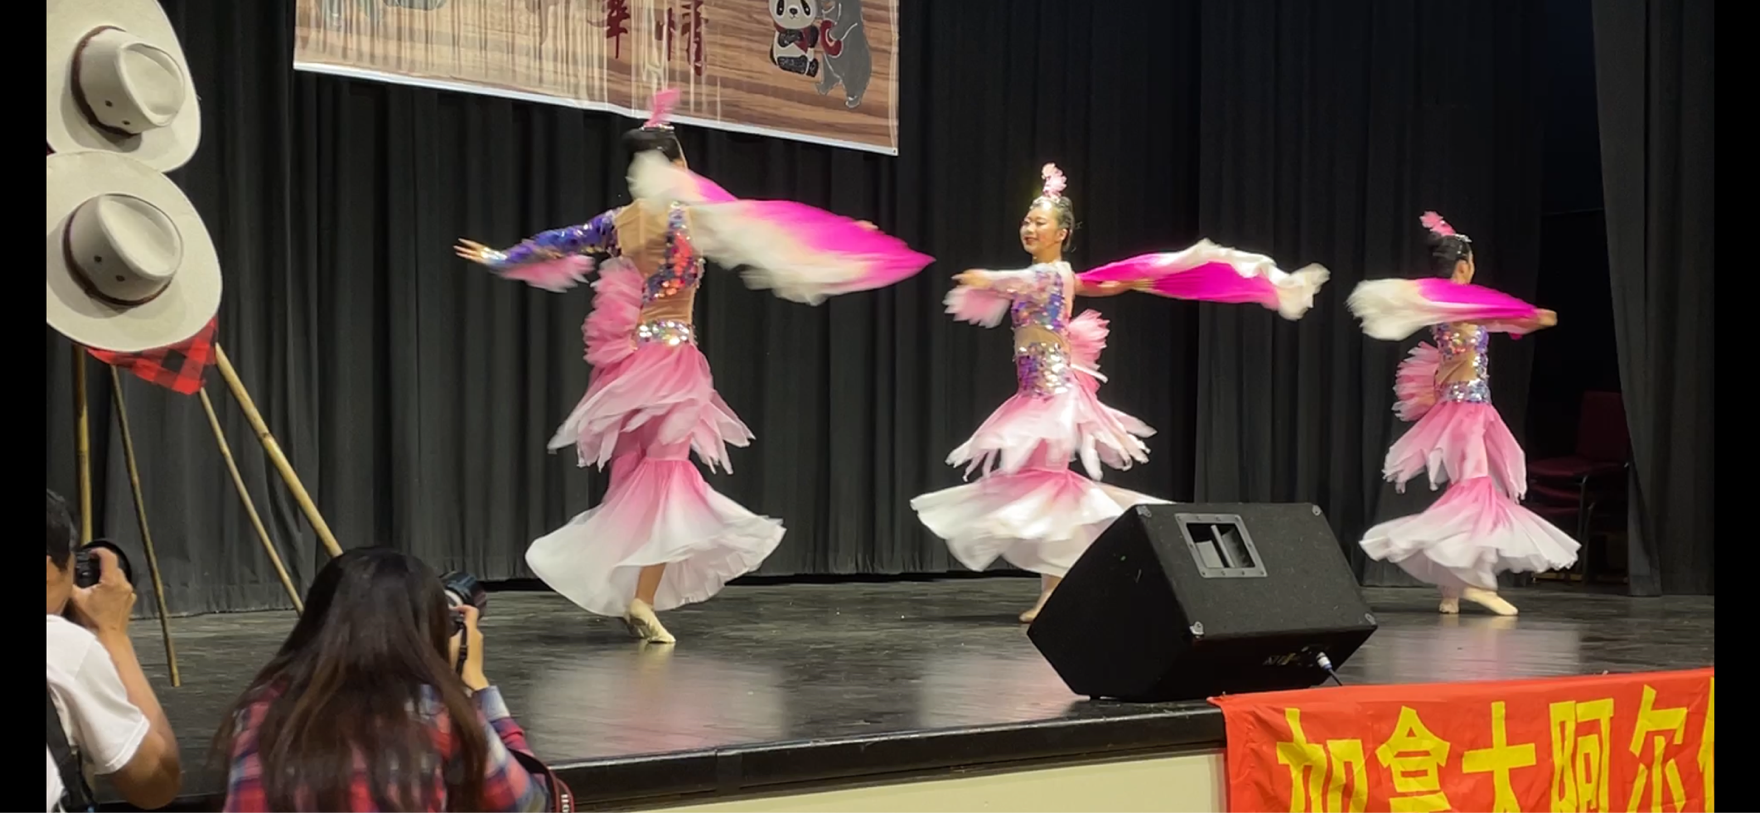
x: 1188, y: 601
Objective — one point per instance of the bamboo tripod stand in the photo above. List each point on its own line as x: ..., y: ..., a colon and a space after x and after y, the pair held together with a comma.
x: 82, y: 453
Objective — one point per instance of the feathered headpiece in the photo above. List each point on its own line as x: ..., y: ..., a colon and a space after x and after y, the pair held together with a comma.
x: 1054, y: 182
x: 664, y: 101
x: 1440, y: 227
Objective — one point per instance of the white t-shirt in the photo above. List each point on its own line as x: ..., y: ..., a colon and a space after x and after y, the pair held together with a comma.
x: 101, y: 724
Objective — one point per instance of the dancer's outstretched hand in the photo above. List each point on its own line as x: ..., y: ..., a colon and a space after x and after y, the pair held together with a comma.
x: 472, y: 250
x: 971, y: 278
x: 867, y: 225
x: 1547, y: 318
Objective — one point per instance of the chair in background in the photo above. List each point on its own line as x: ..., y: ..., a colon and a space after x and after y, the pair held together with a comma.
x: 1571, y: 491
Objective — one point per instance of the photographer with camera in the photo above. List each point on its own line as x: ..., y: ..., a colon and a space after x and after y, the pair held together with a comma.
x: 377, y: 701
x: 102, y: 712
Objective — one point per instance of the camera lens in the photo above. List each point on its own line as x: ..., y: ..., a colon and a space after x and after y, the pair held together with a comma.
x: 88, y: 569
x: 463, y: 588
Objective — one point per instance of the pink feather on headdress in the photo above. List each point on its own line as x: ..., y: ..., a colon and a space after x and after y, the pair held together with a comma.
x: 1054, y: 181
x: 1436, y: 224
x: 664, y: 102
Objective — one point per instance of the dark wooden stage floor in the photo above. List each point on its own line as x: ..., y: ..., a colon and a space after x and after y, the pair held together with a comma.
x: 791, y: 683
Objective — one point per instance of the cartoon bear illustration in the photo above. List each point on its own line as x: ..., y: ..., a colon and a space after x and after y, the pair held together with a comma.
x: 844, y: 42
x: 795, y: 48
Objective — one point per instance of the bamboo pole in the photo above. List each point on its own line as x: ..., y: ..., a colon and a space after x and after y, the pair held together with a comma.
x: 82, y: 444
x: 250, y: 507
x: 140, y: 515
x: 273, y: 449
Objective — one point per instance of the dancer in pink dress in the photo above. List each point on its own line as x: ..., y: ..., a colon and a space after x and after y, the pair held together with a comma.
x: 662, y: 538
x: 1478, y: 528
x: 1029, y: 507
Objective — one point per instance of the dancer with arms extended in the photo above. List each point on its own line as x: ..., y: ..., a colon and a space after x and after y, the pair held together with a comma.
x: 1478, y: 528
x: 1028, y: 506
x: 661, y: 538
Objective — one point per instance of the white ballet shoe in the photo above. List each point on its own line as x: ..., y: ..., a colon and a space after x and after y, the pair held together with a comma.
x: 1489, y: 600
x: 1450, y: 606
x: 644, y: 624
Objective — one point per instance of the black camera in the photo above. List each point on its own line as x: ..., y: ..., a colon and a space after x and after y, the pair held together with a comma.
x: 88, y: 569
x: 461, y: 589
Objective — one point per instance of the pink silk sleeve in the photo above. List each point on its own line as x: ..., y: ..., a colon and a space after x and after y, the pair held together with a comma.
x: 799, y: 252
x: 1207, y: 272
x: 1392, y: 309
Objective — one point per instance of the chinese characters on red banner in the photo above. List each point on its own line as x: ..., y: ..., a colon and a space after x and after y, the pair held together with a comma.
x: 1619, y: 742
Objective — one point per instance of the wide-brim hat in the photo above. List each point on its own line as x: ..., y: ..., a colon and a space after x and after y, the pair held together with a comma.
x: 130, y: 264
x: 116, y: 80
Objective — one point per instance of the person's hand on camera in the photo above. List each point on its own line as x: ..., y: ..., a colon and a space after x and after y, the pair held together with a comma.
x: 106, y: 606
x: 472, y: 673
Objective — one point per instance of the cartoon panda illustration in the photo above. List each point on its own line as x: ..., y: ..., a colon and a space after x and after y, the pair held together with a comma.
x: 795, y: 48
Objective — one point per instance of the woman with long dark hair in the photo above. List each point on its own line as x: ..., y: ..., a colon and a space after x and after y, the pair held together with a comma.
x: 362, y: 708
x: 1479, y: 528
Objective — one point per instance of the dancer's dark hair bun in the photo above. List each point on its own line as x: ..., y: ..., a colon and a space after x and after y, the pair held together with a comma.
x: 1446, y: 250
x: 643, y: 139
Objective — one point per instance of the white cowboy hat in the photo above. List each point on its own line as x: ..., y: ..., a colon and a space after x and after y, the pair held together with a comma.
x: 117, y: 81
x: 130, y: 264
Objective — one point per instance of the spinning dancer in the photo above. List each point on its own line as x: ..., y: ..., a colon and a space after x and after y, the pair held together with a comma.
x: 1477, y: 529
x: 1028, y: 506
x: 662, y: 538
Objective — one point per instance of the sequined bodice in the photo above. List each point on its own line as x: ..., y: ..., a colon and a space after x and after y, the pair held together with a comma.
x: 1464, y: 373
x: 669, y: 291
x: 1045, y: 300
x: 1040, y: 313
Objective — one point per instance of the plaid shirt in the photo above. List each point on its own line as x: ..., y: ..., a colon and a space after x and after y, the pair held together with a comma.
x: 506, y: 784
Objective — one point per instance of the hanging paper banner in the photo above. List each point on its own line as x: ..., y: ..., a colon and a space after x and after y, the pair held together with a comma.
x: 812, y: 70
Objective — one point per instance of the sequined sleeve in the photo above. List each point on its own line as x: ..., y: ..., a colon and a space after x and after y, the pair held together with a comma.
x: 1013, y: 283
x: 596, y: 236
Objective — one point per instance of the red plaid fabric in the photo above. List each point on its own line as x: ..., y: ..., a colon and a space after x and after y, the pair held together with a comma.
x: 507, y: 787
x: 179, y: 367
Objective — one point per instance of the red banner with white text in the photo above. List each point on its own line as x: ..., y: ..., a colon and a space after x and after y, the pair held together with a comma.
x: 1635, y: 742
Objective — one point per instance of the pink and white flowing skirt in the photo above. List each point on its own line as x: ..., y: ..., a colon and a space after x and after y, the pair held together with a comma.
x: 1070, y: 425
x: 1040, y: 518
x: 659, y: 510
x: 1479, y: 527
x: 646, y: 409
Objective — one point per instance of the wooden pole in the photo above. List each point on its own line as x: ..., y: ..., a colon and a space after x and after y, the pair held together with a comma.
x: 250, y: 507
x: 140, y: 515
x: 273, y: 449
x: 82, y: 444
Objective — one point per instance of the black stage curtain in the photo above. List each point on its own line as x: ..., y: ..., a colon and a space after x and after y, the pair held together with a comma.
x: 1656, y: 86
x: 415, y: 394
